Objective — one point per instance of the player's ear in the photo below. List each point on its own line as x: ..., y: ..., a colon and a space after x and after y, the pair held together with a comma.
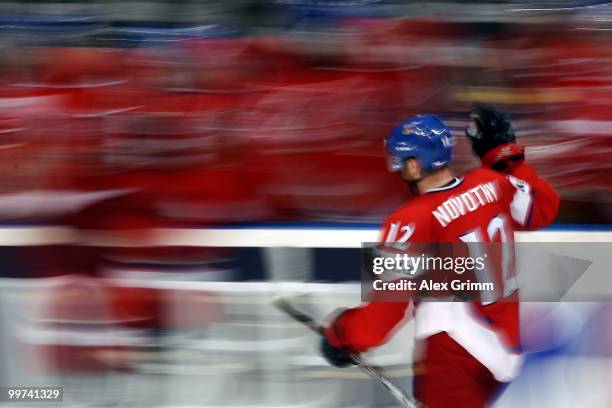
x: 414, y: 168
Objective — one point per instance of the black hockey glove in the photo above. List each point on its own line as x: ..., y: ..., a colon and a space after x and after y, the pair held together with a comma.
x: 335, y: 356
x: 489, y: 129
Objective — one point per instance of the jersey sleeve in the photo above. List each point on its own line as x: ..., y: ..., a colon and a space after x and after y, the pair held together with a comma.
x: 366, y: 326
x: 533, y: 201
x: 372, y: 323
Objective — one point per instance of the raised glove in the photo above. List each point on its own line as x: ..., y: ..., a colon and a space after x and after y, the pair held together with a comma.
x: 492, y: 137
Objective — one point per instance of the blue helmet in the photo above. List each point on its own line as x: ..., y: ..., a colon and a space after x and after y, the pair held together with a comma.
x: 423, y: 137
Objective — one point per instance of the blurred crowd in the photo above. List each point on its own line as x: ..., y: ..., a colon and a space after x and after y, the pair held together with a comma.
x: 124, y: 125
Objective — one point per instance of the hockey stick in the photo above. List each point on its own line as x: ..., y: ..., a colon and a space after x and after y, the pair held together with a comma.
x: 373, y: 372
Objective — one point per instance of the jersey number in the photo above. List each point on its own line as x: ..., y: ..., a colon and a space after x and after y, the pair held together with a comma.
x: 402, y: 242
x: 497, y: 225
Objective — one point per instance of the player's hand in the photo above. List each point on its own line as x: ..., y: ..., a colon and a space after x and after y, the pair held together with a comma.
x: 336, y: 356
x: 492, y: 137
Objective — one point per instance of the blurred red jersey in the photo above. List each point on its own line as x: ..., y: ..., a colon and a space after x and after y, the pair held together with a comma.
x: 482, y: 206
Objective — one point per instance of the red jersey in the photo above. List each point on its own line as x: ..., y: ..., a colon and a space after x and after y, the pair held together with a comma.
x: 481, y: 206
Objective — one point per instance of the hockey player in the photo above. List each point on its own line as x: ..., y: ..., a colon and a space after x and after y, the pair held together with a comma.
x: 466, y: 350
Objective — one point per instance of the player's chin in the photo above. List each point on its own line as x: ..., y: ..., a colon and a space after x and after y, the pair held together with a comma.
x: 408, y: 178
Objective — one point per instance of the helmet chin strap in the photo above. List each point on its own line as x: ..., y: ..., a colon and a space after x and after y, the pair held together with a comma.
x: 414, y: 188
x: 413, y: 184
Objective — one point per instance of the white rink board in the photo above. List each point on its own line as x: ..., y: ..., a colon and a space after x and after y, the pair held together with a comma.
x: 248, y: 237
